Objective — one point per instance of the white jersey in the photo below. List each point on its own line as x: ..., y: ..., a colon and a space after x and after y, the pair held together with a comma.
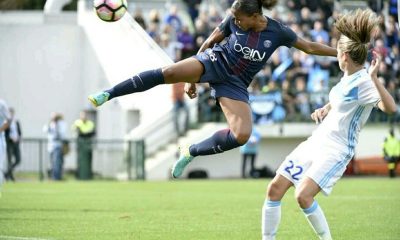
x: 324, y: 156
x: 352, y: 101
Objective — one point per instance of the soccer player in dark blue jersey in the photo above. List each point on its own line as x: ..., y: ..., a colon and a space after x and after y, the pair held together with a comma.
x: 228, y: 67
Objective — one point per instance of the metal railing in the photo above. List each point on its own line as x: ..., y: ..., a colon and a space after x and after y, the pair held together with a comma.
x: 117, y: 159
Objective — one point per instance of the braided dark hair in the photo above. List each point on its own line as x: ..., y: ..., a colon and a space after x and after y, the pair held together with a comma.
x: 249, y: 7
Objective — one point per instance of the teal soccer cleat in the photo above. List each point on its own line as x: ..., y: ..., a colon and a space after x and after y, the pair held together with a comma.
x: 98, y: 99
x: 184, y: 159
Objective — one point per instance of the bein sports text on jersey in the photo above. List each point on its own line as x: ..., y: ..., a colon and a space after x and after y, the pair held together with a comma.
x: 249, y: 53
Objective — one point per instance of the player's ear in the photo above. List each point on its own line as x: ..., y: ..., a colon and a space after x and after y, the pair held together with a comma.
x: 346, y: 56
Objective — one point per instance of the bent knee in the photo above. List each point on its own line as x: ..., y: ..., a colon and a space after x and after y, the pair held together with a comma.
x: 304, y: 200
x: 274, y: 191
x: 242, y: 137
x: 169, y: 72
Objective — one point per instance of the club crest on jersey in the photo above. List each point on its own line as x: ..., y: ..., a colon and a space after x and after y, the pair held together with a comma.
x: 249, y: 53
x: 267, y: 43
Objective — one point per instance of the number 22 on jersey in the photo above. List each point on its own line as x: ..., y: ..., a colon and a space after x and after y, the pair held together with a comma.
x: 293, y: 170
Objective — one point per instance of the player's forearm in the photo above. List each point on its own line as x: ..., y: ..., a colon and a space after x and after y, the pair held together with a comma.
x: 322, y: 50
x: 388, y: 105
x: 215, y: 37
x: 205, y: 45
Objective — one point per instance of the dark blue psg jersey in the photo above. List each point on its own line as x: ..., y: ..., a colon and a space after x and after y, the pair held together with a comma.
x: 246, y: 52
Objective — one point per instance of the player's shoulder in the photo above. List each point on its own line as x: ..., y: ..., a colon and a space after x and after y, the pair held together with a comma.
x: 275, y: 23
x: 228, y: 18
x: 278, y: 27
x: 364, y: 79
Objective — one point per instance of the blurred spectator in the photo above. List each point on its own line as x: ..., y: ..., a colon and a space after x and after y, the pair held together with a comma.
x: 288, y: 97
x: 306, y: 22
x: 263, y: 77
x: 319, y: 97
x: 377, y: 6
x: 394, y: 91
x: 193, y: 8
x: 187, y: 41
x: 208, y: 110
x: 56, y: 135
x: 13, y: 139
x: 295, y: 6
x: 172, y: 48
x: 138, y: 16
x: 311, y: 4
x: 302, y: 101
x: 391, y: 32
x: 319, y: 32
x: 214, y: 19
x: 249, y: 152
x: 381, y: 49
x: 154, y: 17
x: 298, y: 67
x: 85, y: 130
x: 326, y: 7
x: 173, y: 19
x: 393, y: 11
x: 267, y: 106
x: 178, y: 98
x: 201, y: 33
x: 4, y: 123
x: 391, y: 152
x: 153, y: 32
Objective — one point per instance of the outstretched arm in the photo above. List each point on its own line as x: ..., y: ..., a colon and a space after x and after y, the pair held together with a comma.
x: 387, y: 103
x: 315, y: 48
x: 215, y: 37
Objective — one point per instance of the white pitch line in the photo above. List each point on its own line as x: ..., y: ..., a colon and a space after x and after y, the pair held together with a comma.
x: 20, y: 238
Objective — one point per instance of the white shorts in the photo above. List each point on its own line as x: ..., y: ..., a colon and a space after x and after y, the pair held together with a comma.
x: 322, y: 163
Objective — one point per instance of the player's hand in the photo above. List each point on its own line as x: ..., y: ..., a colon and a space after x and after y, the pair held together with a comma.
x: 373, y: 69
x: 191, y: 90
x: 319, y: 114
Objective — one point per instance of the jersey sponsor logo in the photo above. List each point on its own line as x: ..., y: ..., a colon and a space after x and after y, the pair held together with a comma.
x: 249, y: 53
x: 239, y: 34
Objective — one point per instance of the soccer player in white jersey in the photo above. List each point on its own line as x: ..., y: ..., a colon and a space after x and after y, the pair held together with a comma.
x: 319, y: 162
x: 4, y: 123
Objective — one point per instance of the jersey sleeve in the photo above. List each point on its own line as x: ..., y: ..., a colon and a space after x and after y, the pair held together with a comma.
x: 368, y: 94
x: 224, y: 26
x: 288, y: 36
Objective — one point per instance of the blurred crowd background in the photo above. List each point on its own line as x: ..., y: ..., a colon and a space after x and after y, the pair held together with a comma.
x: 293, y: 83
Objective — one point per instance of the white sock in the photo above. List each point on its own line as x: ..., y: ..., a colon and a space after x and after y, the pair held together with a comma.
x: 317, y: 220
x: 271, y: 217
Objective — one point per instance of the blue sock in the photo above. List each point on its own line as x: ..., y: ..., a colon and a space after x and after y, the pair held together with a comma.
x: 219, y: 142
x: 138, y: 83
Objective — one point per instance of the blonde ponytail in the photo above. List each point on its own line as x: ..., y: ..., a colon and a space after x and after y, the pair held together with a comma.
x: 356, y: 28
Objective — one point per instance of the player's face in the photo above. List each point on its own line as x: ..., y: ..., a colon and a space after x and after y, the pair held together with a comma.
x: 340, y: 57
x: 243, y: 21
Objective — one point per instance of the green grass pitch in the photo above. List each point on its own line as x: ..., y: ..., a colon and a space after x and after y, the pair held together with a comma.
x: 358, y: 209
